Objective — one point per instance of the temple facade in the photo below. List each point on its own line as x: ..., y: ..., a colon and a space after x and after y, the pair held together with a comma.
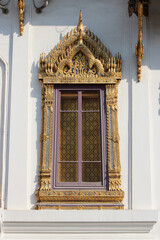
x: 80, y: 119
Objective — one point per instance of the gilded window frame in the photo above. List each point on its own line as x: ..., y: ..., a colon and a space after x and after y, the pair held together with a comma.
x: 108, y: 73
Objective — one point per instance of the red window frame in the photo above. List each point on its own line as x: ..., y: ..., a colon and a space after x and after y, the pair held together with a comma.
x: 56, y: 127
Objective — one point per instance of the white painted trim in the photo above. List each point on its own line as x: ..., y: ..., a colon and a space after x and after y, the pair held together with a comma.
x: 78, y: 222
x: 4, y: 130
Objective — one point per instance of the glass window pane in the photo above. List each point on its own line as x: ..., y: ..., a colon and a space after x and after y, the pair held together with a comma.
x: 90, y: 100
x: 68, y: 147
x: 69, y: 100
x: 68, y: 172
x: 91, y: 172
x: 91, y: 147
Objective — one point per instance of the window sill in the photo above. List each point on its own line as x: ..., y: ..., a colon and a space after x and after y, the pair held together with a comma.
x: 78, y: 222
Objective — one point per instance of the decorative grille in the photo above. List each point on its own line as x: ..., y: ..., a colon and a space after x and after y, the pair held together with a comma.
x: 80, y: 140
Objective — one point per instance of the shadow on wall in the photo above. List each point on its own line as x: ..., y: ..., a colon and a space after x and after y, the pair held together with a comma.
x: 36, y: 94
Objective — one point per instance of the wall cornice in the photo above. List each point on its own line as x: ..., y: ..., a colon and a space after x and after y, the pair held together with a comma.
x: 78, y: 222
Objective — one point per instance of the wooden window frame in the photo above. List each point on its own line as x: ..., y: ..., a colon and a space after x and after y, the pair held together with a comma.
x: 56, y: 127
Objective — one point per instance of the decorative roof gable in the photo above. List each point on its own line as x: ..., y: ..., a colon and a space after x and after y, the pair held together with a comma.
x: 96, y: 60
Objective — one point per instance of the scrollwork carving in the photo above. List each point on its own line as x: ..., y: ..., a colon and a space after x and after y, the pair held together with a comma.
x: 115, y: 184
x: 45, y: 185
x: 80, y: 67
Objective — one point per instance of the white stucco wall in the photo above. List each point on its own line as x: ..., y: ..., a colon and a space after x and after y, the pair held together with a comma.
x: 139, y: 103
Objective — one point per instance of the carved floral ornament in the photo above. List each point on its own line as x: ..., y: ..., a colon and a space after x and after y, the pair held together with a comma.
x: 140, y: 8
x: 80, y: 58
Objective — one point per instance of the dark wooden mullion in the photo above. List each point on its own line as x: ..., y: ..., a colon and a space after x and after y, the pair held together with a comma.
x: 79, y: 137
x: 90, y: 111
x: 90, y: 161
x: 81, y: 161
x: 68, y: 111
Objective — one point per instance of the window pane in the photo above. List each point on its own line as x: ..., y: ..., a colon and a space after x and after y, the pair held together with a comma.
x: 91, y: 147
x: 69, y: 100
x: 91, y: 172
x: 68, y: 137
x: 79, y: 154
x: 90, y: 101
x: 68, y: 172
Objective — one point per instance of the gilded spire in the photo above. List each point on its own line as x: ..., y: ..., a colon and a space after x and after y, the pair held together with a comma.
x: 80, y: 28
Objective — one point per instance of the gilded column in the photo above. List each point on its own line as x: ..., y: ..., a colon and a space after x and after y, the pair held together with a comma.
x: 46, y: 137
x: 113, y: 138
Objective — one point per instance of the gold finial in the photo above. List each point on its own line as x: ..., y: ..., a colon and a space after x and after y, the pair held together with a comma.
x: 80, y: 24
x: 80, y: 28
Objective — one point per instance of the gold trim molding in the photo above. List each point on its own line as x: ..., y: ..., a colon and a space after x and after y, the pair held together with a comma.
x: 140, y: 8
x: 61, y: 66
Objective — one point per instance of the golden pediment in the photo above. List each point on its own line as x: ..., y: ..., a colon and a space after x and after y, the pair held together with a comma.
x: 80, y: 54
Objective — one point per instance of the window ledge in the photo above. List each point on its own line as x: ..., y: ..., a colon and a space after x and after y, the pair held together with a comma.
x: 78, y: 221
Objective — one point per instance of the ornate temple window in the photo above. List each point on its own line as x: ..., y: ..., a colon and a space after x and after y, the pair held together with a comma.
x: 80, y: 163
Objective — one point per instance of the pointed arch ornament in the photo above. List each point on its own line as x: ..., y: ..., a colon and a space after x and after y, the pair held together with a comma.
x: 80, y: 58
